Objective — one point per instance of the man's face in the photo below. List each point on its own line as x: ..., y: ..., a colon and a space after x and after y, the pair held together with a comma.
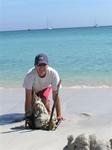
x: 41, y: 69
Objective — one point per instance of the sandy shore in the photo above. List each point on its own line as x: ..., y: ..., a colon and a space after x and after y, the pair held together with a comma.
x: 85, y: 111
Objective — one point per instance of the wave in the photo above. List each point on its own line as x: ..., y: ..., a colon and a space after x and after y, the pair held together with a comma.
x: 87, y: 86
x: 69, y: 86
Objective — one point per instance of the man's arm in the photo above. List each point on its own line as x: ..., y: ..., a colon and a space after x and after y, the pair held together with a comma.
x: 58, y: 105
x: 28, y: 101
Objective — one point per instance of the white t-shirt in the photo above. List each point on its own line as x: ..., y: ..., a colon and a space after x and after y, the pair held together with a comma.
x: 32, y: 80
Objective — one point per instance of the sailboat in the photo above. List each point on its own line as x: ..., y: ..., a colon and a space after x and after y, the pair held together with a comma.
x: 49, y: 27
x: 95, y: 24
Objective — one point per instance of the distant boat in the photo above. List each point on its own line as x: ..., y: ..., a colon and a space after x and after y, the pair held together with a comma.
x: 96, y: 25
x: 48, y: 25
x: 50, y: 28
x: 28, y: 29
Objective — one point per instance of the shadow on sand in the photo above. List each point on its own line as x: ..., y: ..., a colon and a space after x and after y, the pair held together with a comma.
x: 11, y: 118
x: 6, y: 119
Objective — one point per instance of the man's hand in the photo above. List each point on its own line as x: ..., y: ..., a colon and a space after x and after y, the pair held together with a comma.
x: 60, y: 117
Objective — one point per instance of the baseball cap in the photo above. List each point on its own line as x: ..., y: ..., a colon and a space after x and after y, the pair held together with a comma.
x: 41, y: 59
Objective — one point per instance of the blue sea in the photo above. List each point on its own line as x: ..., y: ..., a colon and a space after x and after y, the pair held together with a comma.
x: 82, y: 56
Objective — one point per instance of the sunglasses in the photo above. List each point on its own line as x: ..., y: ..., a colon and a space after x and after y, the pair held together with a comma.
x: 41, y: 65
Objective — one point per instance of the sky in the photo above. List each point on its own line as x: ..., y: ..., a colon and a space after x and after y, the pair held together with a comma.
x: 39, y: 14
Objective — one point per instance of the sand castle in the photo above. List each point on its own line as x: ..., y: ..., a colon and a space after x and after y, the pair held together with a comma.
x: 83, y: 142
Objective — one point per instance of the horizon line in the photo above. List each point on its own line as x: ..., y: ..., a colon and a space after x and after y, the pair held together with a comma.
x: 30, y: 29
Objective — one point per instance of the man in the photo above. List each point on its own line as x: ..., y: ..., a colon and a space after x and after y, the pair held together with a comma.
x: 41, y: 79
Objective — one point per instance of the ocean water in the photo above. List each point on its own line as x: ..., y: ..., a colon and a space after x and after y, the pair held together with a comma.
x: 82, y: 56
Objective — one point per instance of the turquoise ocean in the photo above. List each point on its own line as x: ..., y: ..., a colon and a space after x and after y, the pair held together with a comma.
x: 82, y: 56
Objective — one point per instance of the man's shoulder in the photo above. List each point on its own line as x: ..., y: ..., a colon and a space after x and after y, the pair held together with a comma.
x: 31, y: 71
x: 52, y: 73
x: 29, y: 78
x: 52, y: 70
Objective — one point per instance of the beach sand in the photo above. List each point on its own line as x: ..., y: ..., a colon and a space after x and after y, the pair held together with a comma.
x: 85, y: 110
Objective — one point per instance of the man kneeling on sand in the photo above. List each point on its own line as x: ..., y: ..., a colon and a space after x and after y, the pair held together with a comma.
x: 40, y: 80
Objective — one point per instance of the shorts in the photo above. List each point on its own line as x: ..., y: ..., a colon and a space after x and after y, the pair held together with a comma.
x: 44, y: 94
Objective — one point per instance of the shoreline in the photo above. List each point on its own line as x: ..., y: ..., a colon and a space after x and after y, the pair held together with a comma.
x: 65, y: 87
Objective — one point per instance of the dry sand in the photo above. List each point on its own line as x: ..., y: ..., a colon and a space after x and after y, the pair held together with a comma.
x: 87, y: 111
